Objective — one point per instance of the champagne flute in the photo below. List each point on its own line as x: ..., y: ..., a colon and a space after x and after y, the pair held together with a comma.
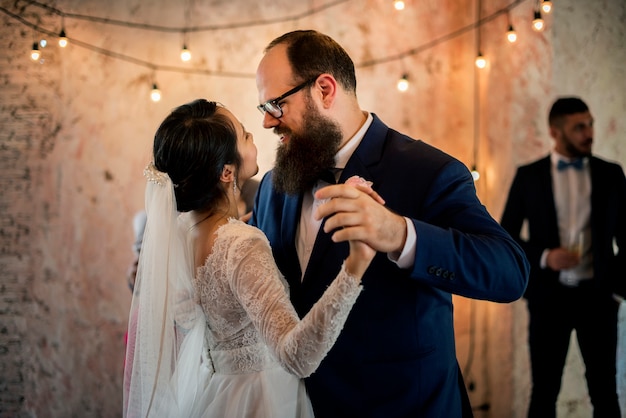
x: 576, y: 243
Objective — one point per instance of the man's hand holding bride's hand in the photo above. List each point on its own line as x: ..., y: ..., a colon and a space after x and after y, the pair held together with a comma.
x: 357, y: 213
x: 348, y: 207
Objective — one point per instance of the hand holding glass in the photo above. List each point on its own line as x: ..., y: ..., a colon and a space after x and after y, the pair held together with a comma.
x: 576, y: 244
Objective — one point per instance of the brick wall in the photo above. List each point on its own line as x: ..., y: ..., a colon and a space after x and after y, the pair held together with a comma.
x: 25, y: 142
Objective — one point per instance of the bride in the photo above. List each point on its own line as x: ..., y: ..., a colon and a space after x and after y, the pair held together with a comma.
x: 212, y: 332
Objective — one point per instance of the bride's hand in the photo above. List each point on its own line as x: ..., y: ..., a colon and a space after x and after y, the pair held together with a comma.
x: 359, y: 259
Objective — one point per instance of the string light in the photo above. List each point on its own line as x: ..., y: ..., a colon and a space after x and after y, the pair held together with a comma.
x: 35, y: 53
x: 403, y: 83
x: 62, y: 39
x: 155, y: 94
x: 511, y: 35
x: 481, y: 61
x: 234, y: 74
x: 546, y: 6
x: 475, y: 173
x: 185, y: 54
x: 538, y: 23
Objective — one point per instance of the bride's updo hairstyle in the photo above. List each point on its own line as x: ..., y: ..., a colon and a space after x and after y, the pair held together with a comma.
x: 192, y: 145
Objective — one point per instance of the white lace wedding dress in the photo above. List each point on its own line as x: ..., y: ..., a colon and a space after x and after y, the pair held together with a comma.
x: 259, y: 347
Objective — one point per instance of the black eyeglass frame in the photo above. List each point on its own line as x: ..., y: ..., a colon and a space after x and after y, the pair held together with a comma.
x: 273, y: 107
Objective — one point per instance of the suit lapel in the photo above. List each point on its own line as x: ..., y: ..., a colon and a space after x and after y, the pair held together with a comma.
x: 290, y: 221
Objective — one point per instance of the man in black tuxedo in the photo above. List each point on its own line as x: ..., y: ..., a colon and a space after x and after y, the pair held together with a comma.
x: 574, y: 205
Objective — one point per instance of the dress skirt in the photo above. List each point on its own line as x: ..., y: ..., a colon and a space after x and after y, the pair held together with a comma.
x: 270, y: 393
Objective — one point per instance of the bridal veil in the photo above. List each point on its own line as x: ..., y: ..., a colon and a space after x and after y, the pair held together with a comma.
x: 167, y: 362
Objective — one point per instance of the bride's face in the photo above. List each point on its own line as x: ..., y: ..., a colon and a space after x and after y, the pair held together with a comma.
x: 247, y: 150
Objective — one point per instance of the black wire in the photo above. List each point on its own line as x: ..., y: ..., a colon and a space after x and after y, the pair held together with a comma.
x: 158, y: 28
x: 127, y: 58
x: 169, y: 68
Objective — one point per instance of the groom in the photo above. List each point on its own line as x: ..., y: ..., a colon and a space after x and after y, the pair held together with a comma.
x: 396, y: 354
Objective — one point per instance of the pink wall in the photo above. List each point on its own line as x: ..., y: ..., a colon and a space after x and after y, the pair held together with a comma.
x: 77, y: 130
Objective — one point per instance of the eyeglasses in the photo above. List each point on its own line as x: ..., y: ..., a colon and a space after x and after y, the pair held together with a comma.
x: 273, y: 106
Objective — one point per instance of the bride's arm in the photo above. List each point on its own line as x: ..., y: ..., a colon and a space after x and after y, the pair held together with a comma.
x: 299, y: 345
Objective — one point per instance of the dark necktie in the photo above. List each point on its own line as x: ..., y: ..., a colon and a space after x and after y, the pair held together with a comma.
x: 577, y: 164
x: 328, y: 175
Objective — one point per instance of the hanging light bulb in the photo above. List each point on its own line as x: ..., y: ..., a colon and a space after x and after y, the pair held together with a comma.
x: 398, y: 4
x: 546, y: 6
x: 155, y: 94
x: 403, y: 83
x: 35, y: 53
x: 62, y: 39
x: 511, y: 35
x: 538, y: 23
x: 481, y: 62
x: 185, y: 54
x: 475, y: 173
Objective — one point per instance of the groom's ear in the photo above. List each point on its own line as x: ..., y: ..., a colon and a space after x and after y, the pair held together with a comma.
x: 228, y: 173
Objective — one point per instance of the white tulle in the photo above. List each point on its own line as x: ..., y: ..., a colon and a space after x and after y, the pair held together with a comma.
x: 167, y: 366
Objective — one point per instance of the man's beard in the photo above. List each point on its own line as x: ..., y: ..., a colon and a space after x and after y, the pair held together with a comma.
x: 574, y: 151
x: 308, y: 153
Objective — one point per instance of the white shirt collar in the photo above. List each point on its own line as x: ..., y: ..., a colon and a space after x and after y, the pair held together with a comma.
x: 344, y: 154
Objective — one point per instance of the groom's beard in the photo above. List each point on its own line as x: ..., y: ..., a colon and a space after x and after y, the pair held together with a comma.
x: 308, y: 153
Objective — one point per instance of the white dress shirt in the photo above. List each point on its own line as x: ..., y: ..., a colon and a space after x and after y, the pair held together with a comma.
x: 572, y: 200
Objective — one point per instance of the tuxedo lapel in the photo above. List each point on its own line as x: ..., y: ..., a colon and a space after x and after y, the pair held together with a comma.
x: 545, y: 198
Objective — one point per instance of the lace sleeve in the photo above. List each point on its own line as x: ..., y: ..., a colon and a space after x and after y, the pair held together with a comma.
x: 299, y: 345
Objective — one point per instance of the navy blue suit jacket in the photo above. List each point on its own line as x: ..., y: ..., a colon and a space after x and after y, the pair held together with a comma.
x: 531, y: 198
x: 396, y: 354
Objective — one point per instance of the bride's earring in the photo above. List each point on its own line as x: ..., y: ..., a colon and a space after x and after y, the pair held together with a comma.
x: 235, y: 187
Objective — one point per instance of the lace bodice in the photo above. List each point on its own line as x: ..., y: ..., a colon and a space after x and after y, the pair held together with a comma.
x: 252, y: 324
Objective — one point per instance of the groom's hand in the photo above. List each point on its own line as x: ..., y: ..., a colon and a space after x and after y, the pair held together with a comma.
x: 354, y: 214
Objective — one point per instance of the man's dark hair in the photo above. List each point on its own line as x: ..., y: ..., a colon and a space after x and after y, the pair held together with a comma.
x: 565, y: 106
x: 312, y: 53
